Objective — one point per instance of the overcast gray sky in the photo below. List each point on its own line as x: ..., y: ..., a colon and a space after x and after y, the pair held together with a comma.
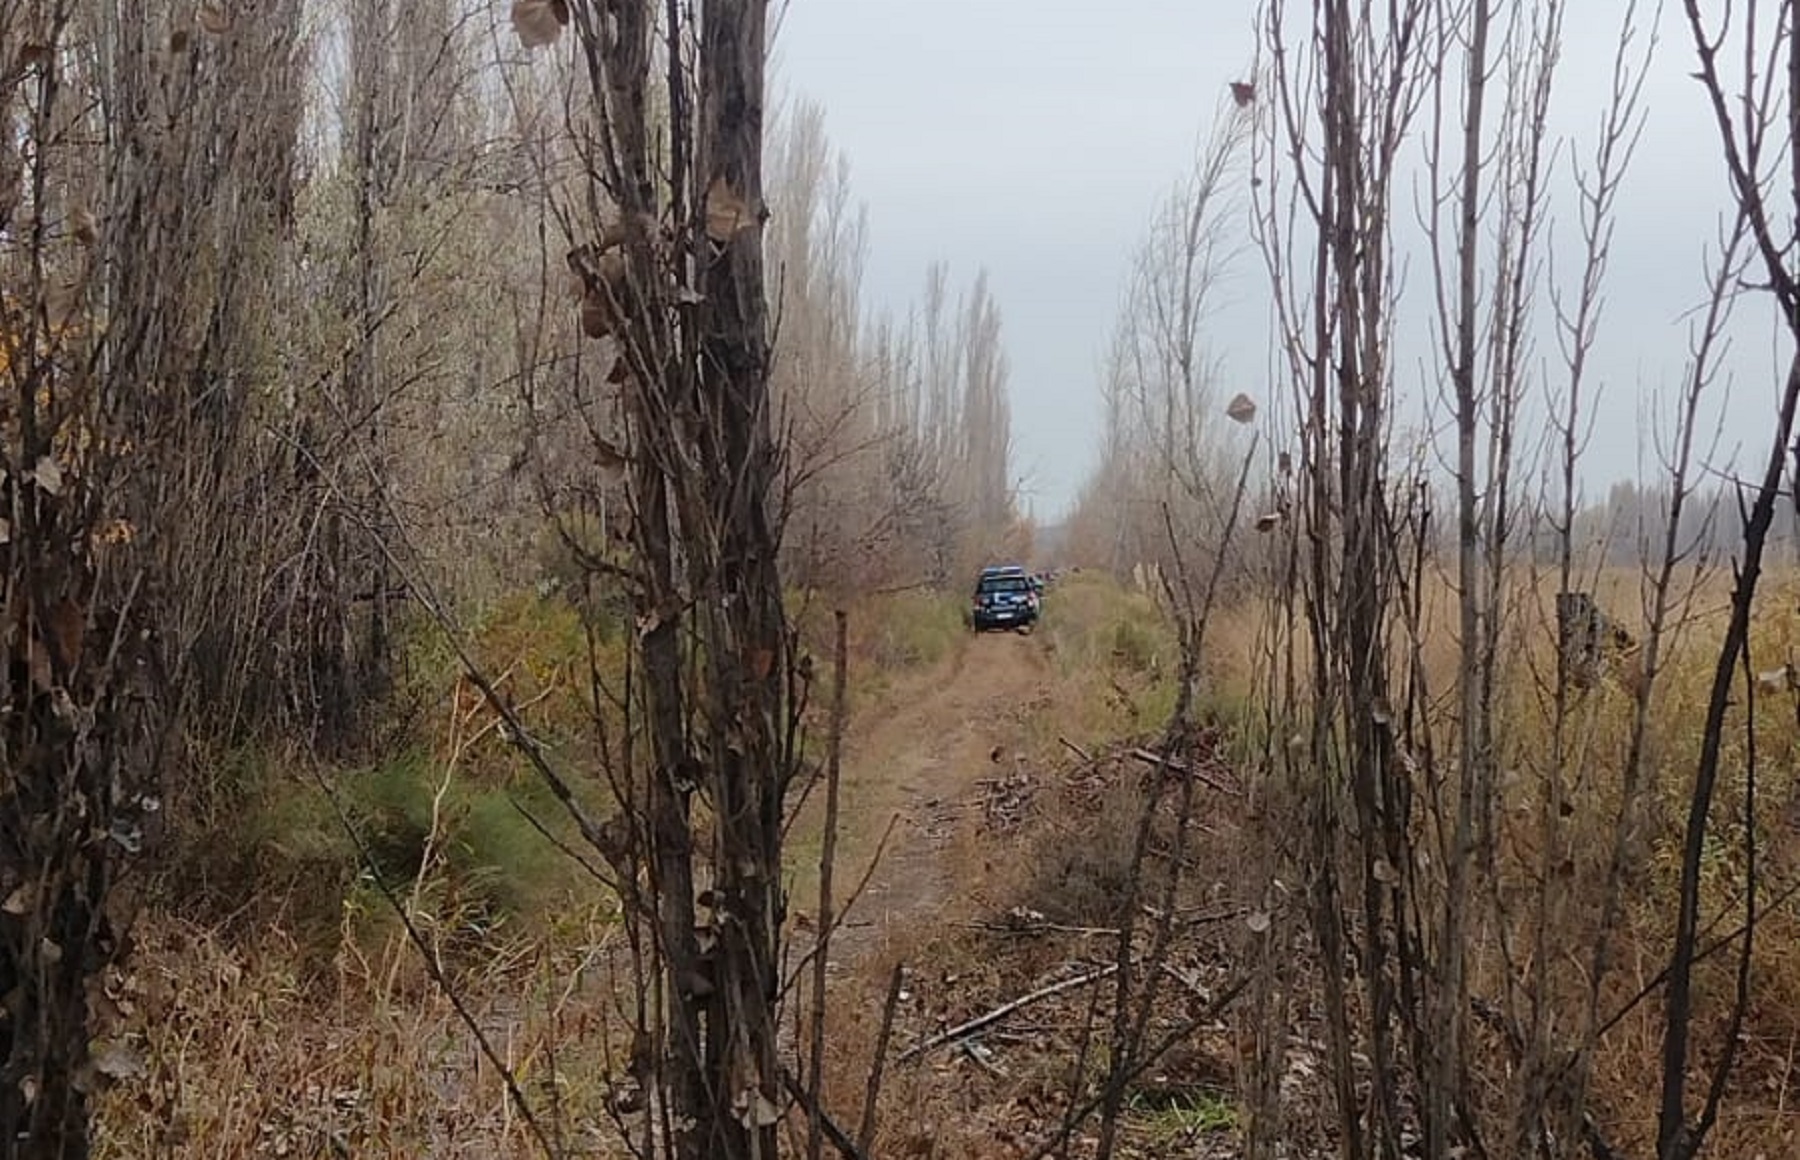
x: 1035, y: 137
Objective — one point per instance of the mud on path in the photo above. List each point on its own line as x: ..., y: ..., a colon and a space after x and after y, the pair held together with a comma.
x: 912, y: 758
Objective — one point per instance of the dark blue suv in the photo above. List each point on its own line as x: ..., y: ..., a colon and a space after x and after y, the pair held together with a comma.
x: 1005, y: 597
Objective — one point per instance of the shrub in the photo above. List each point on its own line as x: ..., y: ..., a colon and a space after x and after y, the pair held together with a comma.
x: 1079, y: 873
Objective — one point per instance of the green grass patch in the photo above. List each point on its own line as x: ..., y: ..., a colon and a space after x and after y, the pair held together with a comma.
x: 1094, y: 622
x: 914, y: 629
x: 1172, y: 1117
x: 459, y: 847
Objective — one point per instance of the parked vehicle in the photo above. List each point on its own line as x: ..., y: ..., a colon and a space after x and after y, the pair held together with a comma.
x: 1005, y: 597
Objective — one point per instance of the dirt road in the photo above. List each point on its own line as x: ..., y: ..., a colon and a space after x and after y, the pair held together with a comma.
x: 913, y: 759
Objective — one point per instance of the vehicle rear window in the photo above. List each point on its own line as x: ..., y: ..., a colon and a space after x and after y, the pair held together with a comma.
x: 1004, y: 584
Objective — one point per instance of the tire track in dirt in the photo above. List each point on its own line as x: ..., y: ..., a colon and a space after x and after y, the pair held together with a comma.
x: 914, y: 757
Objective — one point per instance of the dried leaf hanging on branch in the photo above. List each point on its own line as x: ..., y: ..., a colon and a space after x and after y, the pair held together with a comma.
x: 602, y: 281
x: 596, y: 314
x: 214, y: 19
x: 49, y: 476
x: 611, y: 459
x: 82, y: 226
x: 726, y: 212
x: 1242, y: 408
x: 1243, y: 93
x: 539, y: 22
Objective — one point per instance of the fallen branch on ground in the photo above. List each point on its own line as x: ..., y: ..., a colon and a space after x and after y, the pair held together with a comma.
x: 1195, y: 916
x: 1077, y: 750
x: 1058, y: 1141
x: 1038, y: 928
x: 1162, y: 761
x: 1005, y: 1009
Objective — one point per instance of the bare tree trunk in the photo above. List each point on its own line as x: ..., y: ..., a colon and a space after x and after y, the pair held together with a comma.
x: 746, y: 631
x: 1451, y: 1001
x: 687, y: 305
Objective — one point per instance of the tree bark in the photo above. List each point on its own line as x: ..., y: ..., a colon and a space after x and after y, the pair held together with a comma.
x: 746, y: 630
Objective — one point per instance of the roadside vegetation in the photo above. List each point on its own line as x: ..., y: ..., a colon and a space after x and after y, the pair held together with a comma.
x: 487, y: 616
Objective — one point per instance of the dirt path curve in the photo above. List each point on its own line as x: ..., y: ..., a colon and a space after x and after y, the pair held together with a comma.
x: 916, y: 755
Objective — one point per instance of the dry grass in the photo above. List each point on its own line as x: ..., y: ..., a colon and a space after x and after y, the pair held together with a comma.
x: 1596, y: 735
x: 246, y: 1053
x: 240, y: 1059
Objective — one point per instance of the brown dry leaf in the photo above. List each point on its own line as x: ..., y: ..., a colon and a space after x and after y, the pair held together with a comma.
x: 115, y: 532
x: 214, y: 19
x: 611, y: 459
x: 82, y: 227
x: 762, y: 663
x: 35, y: 56
x: 619, y: 232
x: 609, y: 453
x: 1243, y: 93
x: 611, y: 269
x: 117, y: 1060
x: 604, y: 278
x: 1242, y: 408
x: 68, y: 624
x: 1258, y: 921
x: 1268, y: 521
x: 49, y: 475
x: 21, y: 901
x: 178, y: 41
x: 726, y: 212
x: 596, y: 314
x: 755, y: 1110
x: 539, y: 22
x: 1284, y: 463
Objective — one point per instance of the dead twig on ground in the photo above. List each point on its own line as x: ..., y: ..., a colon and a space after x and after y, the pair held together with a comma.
x: 973, y: 1025
x: 1077, y: 750
x: 1038, y: 928
x: 1184, y: 768
x: 1079, y: 1113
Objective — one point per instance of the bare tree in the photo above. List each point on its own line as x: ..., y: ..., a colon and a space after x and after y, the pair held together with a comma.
x: 1758, y: 165
x: 1164, y: 454
x: 672, y: 273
